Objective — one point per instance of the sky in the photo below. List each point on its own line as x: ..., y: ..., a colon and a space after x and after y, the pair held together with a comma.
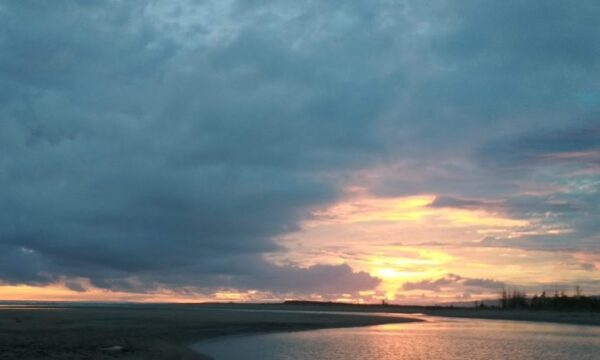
x: 259, y: 150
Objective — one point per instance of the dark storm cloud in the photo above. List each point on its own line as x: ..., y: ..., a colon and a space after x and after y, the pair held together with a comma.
x: 141, y: 160
x: 246, y: 273
x: 147, y: 145
x: 20, y: 265
x: 491, y: 76
x: 545, y: 147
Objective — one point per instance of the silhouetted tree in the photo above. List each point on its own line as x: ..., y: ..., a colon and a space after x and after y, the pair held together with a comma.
x: 504, y: 299
x: 560, y: 301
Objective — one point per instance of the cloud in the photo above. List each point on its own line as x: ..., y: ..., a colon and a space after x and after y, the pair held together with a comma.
x: 455, y: 283
x: 557, y: 182
x: 545, y: 242
x: 21, y: 265
x: 319, y: 279
x: 453, y: 202
x: 558, y: 146
x: 148, y: 145
x: 131, y: 155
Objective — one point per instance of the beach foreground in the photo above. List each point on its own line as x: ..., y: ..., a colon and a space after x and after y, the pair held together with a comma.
x: 145, y: 331
x: 165, y: 331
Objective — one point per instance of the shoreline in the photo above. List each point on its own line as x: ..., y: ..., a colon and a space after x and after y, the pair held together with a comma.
x: 256, y: 332
x: 169, y: 331
x: 136, y: 332
x: 560, y: 317
x: 566, y: 318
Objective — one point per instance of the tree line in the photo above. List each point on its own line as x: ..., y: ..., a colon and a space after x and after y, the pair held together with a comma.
x: 558, y: 301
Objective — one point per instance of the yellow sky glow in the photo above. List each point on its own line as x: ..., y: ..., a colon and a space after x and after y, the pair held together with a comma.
x: 399, y: 240
x: 405, y: 239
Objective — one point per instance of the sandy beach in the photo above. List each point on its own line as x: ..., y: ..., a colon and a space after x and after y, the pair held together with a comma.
x: 144, y: 331
x: 163, y: 331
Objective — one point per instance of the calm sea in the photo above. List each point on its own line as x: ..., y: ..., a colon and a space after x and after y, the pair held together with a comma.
x: 438, y: 338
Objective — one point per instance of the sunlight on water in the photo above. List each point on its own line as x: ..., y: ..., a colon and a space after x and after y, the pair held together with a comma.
x: 437, y: 339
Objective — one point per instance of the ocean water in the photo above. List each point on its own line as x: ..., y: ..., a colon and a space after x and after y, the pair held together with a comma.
x: 438, y: 338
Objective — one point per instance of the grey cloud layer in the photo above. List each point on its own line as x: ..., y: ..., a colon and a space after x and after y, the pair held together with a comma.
x: 125, y: 154
x: 455, y: 282
x: 149, y: 145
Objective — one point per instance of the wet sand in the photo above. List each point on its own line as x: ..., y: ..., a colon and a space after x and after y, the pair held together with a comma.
x: 145, y: 331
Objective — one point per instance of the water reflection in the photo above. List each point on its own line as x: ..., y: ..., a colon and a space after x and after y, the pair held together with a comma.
x: 438, y: 339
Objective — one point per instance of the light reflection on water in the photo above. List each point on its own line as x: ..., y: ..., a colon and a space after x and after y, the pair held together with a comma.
x: 441, y: 338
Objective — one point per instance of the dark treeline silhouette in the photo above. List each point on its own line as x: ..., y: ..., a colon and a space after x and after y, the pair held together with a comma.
x: 558, y: 301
